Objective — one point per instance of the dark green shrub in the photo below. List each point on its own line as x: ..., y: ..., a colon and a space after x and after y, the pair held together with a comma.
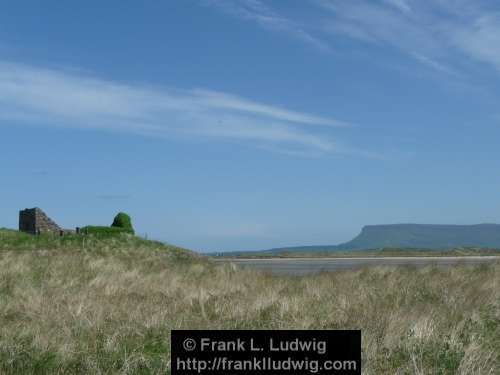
x: 123, y: 221
x: 103, y: 231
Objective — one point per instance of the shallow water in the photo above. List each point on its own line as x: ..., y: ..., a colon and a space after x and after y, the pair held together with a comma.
x: 303, y: 266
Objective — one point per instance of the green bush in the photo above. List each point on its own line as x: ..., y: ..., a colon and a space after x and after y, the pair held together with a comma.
x: 103, y: 231
x: 123, y: 221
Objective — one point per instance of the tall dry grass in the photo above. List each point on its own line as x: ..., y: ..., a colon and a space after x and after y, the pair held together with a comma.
x: 81, y: 311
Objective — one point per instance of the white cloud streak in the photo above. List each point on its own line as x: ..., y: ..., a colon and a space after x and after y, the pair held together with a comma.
x: 51, y: 97
x: 401, y: 5
x: 434, y: 64
x: 481, y: 40
x: 433, y: 32
x: 256, y: 11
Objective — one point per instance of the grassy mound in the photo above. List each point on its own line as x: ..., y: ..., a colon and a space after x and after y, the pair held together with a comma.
x: 108, y: 305
x: 104, y: 231
x: 97, y: 243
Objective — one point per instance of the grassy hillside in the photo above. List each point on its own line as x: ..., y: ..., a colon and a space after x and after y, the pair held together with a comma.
x: 97, y: 243
x: 107, y: 306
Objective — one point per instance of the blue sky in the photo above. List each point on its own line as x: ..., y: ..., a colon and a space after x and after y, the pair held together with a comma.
x: 247, y: 124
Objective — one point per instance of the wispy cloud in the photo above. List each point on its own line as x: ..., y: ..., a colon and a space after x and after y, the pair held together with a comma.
x: 434, y: 64
x: 258, y: 12
x: 481, y: 39
x: 226, y: 101
x: 433, y: 33
x: 439, y: 34
x: 383, y: 23
x: 52, y: 97
x: 401, y: 5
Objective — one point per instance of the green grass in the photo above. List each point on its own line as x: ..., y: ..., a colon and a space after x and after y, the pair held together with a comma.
x: 105, y: 231
x: 83, y: 304
x: 100, y: 242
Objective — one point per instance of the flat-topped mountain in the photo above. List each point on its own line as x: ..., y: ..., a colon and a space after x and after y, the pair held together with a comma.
x: 425, y: 236
x: 406, y: 236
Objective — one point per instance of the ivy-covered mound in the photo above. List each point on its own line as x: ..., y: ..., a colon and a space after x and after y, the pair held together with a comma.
x: 122, y: 223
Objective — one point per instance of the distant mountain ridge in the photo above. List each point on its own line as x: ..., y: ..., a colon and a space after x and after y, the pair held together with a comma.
x: 418, y: 236
x: 425, y: 236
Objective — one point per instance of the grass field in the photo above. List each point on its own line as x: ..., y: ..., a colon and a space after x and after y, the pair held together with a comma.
x: 107, y: 305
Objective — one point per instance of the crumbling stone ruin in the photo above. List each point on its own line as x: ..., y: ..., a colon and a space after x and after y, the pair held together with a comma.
x: 35, y: 221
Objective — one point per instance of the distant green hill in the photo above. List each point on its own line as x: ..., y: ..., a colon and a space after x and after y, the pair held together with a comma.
x: 405, y: 236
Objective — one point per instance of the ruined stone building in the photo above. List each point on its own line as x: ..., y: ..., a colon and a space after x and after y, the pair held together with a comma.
x: 35, y: 221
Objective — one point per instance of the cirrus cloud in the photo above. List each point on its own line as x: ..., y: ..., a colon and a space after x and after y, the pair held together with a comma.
x: 46, y: 96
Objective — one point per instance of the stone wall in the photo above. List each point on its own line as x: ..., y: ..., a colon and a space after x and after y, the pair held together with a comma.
x: 34, y: 220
